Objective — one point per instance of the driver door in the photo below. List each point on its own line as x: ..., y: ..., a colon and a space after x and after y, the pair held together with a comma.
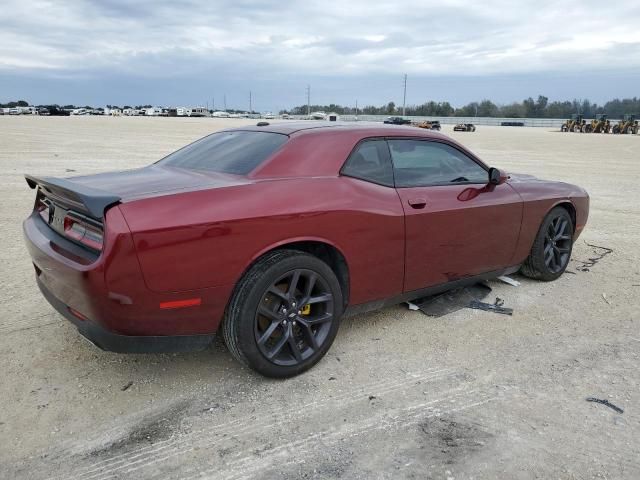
x: 456, y: 225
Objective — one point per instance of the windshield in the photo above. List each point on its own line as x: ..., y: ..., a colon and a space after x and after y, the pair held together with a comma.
x: 235, y: 152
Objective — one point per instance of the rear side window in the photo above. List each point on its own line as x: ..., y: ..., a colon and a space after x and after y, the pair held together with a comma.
x: 235, y: 152
x: 370, y: 161
x: 418, y: 163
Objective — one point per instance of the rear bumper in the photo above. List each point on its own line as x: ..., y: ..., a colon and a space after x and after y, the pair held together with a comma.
x: 114, y: 342
x: 113, y: 307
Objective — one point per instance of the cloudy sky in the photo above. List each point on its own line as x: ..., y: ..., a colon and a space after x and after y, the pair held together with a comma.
x: 172, y: 52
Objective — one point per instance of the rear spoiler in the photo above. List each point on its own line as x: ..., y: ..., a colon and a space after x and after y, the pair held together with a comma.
x: 92, y: 200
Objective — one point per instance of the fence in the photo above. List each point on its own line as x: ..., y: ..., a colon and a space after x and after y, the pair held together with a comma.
x: 528, y: 122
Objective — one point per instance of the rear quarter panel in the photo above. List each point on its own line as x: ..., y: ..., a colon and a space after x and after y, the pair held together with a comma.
x: 209, y: 238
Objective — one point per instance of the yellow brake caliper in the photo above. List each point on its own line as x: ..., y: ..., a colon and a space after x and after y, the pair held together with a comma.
x: 306, y: 310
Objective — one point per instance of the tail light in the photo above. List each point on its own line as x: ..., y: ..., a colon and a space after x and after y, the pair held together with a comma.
x: 84, y: 231
x: 42, y: 207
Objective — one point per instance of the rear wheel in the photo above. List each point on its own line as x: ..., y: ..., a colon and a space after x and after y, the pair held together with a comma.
x: 552, y: 247
x: 284, y: 314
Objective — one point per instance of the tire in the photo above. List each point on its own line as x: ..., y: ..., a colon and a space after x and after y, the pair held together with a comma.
x: 555, y: 237
x: 629, y: 130
x: 266, y: 340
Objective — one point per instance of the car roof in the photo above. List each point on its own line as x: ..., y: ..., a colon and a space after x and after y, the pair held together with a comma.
x: 363, y: 129
x: 317, y: 149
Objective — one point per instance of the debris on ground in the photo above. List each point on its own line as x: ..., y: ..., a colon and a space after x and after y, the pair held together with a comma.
x: 509, y: 280
x: 600, y: 252
x: 451, y: 301
x: 126, y: 387
x: 496, y: 307
x: 605, y: 402
x: 604, y: 296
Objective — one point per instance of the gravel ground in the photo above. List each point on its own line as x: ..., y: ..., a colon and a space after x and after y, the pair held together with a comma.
x: 400, y: 395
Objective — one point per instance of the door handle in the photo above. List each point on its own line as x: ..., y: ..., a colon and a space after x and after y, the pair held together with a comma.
x: 417, y: 202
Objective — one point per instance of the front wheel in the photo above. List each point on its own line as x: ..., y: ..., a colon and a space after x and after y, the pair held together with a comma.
x: 552, y: 247
x: 284, y: 314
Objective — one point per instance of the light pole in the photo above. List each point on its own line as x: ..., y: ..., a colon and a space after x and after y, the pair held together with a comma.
x: 404, y: 96
x: 308, y: 101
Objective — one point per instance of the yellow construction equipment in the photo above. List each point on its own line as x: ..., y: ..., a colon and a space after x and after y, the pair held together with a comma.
x: 627, y: 125
x: 576, y: 124
x: 600, y: 124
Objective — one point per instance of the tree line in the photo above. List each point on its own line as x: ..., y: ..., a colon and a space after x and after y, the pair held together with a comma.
x: 528, y: 108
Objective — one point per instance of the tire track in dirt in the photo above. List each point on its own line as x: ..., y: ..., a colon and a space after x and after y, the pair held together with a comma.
x: 149, y: 455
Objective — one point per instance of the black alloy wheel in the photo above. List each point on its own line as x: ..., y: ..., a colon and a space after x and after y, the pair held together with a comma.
x: 557, y: 244
x: 294, y: 317
x: 284, y: 313
x: 551, y: 250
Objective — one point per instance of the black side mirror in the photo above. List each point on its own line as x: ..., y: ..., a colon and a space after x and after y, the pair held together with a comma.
x: 494, y: 176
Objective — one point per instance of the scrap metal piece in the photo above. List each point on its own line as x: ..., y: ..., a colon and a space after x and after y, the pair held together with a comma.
x: 495, y: 307
x: 509, y: 280
x: 452, y: 300
x: 606, y: 403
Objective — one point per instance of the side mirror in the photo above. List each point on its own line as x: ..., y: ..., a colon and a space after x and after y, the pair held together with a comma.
x: 497, y: 176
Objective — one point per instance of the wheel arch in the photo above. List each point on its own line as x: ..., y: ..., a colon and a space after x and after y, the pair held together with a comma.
x: 321, y: 248
x: 568, y: 206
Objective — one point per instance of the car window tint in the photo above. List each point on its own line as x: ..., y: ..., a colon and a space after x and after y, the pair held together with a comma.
x: 370, y: 162
x: 418, y: 163
x: 236, y: 152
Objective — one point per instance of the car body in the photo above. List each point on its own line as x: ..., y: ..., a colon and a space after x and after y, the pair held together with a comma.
x: 397, y: 121
x: 150, y: 259
x: 464, y: 127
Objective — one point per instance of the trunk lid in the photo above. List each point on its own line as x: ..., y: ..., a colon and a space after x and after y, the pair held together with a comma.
x: 156, y: 180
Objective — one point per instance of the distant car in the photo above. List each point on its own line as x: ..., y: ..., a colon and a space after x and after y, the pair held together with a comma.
x: 464, y: 127
x: 397, y: 121
x: 269, y: 234
x: 429, y: 125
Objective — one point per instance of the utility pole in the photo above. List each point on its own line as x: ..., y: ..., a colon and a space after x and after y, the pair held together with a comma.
x: 356, y: 110
x: 250, y: 107
x: 225, y: 102
x: 404, y: 96
x: 308, y: 100
x: 213, y: 103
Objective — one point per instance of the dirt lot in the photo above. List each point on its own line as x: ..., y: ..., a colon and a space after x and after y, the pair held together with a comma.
x: 400, y: 395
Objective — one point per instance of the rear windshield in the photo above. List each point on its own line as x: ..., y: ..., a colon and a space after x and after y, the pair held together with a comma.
x: 235, y: 152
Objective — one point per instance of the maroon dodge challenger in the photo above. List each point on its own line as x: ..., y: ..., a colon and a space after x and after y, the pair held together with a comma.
x: 272, y: 233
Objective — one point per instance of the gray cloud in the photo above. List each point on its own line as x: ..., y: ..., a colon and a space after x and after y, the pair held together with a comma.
x: 165, y: 40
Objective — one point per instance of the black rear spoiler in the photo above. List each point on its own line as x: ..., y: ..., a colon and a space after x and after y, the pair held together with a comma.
x: 92, y: 200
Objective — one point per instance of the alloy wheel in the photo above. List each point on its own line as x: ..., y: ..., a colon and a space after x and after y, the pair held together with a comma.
x: 294, y: 317
x: 557, y: 244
